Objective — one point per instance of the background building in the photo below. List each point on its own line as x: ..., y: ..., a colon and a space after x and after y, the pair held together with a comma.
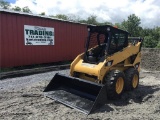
x: 27, y: 39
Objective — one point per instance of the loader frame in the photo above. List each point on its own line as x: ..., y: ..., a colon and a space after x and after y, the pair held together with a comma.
x: 110, y: 64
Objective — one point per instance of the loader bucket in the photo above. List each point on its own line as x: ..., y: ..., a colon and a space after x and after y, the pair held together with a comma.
x: 80, y: 94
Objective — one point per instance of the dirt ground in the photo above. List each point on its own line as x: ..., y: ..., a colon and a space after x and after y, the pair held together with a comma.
x: 22, y: 98
x: 151, y: 59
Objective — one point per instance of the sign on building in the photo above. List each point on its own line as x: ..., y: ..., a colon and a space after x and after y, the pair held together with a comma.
x: 37, y: 35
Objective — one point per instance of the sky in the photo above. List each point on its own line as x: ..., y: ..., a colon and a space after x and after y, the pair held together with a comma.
x: 114, y: 11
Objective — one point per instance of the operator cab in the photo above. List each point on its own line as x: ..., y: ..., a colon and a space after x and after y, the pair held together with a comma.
x: 104, y: 41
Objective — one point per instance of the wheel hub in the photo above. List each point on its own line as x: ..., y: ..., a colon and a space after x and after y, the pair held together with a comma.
x: 135, y: 81
x: 119, y: 85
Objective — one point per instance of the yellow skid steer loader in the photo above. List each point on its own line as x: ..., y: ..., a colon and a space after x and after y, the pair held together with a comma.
x: 109, y: 65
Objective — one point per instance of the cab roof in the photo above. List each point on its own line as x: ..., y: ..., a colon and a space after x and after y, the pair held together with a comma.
x: 105, y: 28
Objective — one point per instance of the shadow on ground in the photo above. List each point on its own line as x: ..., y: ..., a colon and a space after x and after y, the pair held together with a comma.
x: 139, y: 95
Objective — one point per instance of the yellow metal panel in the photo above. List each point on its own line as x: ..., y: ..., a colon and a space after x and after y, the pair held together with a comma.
x: 101, y: 69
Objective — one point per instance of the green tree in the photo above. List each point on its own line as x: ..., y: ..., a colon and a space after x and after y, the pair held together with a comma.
x: 4, y: 4
x: 42, y: 13
x: 119, y: 25
x: 61, y: 16
x: 158, y: 45
x: 132, y: 25
x: 26, y: 9
x: 151, y: 37
x: 83, y: 21
x: 72, y: 17
x: 16, y: 8
x: 156, y: 36
x: 92, y: 20
x: 105, y: 23
x: 149, y: 42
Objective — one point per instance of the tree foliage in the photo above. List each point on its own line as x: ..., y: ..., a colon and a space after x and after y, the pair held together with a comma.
x: 26, y: 9
x: 16, y: 8
x: 4, y: 4
x: 61, y: 16
x: 151, y: 37
x: 105, y: 23
x: 132, y: 25
x: 149, y: 42
x: 92, y: 20
x: 158, y: 45
x: 42, y: 13
x: 69, y: 17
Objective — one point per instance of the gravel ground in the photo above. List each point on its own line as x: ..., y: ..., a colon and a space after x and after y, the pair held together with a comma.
x: 22, y: 98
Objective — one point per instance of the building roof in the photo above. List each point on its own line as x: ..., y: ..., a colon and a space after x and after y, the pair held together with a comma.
x: 41, y: 16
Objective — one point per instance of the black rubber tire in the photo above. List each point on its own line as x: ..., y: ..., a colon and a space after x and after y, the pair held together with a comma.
x: 110, y: 81
x: 129, y: 74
